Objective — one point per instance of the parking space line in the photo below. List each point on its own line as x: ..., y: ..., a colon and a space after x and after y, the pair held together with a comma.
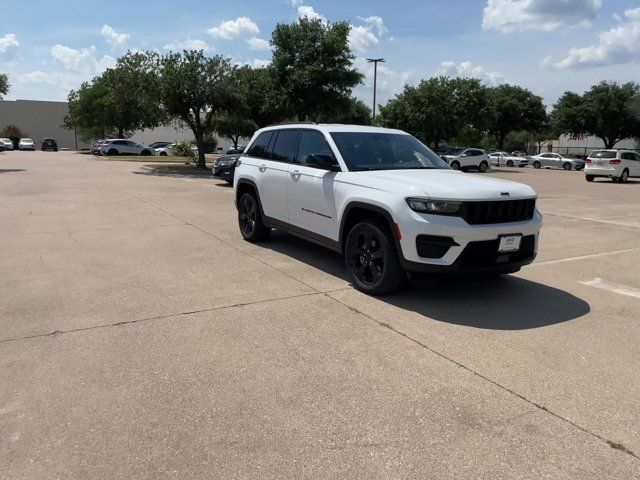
x: 612, y: 287
x: 583, y: 257
x: 631, y: 224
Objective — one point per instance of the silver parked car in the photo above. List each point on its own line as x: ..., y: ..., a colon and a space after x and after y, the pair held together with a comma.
x: 509, y: 160
x: 120, y: 146
x: 8, y: 144
x: 555, y: 160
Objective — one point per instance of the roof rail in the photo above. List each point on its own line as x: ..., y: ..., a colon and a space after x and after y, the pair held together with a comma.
x: 293, y: 123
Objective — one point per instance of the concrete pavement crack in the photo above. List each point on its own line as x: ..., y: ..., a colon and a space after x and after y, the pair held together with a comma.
x: 612, y: 444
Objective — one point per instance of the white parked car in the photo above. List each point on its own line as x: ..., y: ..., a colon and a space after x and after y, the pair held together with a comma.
x: 8, y: 144
x: 469, y: 158
x: 26, y: 144
x: 505, y: 159
x: 165, y: 150
x: 385, y: 201
x: 120, y: 146
x: 555, y: 160
x: 618, y: 165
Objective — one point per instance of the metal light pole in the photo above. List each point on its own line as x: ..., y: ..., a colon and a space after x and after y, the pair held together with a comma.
x: 375, y: 80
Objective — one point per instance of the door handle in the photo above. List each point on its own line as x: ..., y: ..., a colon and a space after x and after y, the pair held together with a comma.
x: 295, y: 174
x: 262, y: 167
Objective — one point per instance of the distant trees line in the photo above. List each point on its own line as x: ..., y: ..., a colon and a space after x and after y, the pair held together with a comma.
x: 311, y: 77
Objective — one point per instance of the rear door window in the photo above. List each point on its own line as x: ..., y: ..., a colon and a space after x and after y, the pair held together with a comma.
x: 285, y: 146
x: 312, y: 143
x: 260, y: 147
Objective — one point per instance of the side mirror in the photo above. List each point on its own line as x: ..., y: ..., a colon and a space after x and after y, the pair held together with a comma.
x: 323, y: 162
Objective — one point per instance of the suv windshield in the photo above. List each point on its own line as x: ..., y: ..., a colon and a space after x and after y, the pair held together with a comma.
x: 603, y: 154
x: 384, y: 151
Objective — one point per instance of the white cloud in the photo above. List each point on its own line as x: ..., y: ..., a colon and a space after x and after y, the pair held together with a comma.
x: 467, y: 70
x: 377, y: 23
x: 256, y: 43
x: 258, y: 63
x: 389, y: 81
x: 362, y: 39
x: 307, y: 11
x: 188, y: 44
x: 80, y: 61
x: 619, y: 45
x: 113, y: 38
x: 8, y: 47
x: 241, y: 27
x: 296, y: 3
x: 507, y: 16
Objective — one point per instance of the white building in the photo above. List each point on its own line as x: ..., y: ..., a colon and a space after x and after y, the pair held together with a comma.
x: 583, y: 145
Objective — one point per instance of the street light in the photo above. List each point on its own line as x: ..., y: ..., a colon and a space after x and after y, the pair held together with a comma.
x: 375, y: 79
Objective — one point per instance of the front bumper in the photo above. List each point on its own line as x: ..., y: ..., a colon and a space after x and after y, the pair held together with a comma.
x: 473, y: 248
x: 225, y: 172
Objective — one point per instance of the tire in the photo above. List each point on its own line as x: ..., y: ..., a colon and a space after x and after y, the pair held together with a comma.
x: 250, y: 220
x: 145, y: 153
x: 589, y: 178
x: 455, y: 165
x: 371, y: 258
x: 566, y: 166
x: 112, y: 152
x: 510, y: 163
x: 483, y: 167
x: 624, y: 177
x: 163, y: 154
x: 536, y: 164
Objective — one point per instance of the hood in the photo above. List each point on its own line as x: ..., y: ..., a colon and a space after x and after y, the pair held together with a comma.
x: 441, y: 184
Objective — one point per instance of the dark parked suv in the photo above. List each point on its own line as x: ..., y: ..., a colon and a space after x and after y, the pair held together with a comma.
x: 49, y: 144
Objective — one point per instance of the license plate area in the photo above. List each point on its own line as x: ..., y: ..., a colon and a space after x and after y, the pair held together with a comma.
x: 509, y: 243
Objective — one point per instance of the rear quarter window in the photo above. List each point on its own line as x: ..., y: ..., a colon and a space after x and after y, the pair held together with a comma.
x: 259, y: 148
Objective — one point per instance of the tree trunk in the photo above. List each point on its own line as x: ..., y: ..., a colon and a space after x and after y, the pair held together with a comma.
x: 609, y: 143
x: 200, y: 143
x: 302, y: 117
x: 120, y: 132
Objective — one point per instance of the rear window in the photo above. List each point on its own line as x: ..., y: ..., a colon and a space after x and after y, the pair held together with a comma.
x: 603, y: 154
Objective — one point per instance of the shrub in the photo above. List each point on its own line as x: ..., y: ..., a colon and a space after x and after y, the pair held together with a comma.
x: 183, y: 149
x: 13, y: 133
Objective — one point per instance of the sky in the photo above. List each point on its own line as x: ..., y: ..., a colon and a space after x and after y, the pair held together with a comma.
x: 548, y: 46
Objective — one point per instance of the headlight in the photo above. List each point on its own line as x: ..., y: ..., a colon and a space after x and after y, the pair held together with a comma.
x: 438, y: 207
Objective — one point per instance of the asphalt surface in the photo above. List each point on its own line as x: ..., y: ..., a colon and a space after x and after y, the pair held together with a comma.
x: 140, y: 337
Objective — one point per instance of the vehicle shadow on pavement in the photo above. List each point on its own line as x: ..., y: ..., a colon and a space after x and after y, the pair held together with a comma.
x: 10, y: 170
x: 177, y: 171
x: 495, y: 303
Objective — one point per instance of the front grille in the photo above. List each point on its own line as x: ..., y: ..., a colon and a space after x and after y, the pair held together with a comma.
x: 485, y: 254
x: 506, y: 211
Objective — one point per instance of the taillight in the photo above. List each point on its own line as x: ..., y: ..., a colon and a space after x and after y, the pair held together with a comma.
x: 588, y: 160
x: 614, y: 162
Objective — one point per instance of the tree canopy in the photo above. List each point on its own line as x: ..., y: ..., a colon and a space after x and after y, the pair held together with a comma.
x: 513, y: 108
x: 123, y: 99
x: 197, y: 89
x: 313, y: 66
x: 438, y: 109
x: 605, y: 111
x: 4, y: 84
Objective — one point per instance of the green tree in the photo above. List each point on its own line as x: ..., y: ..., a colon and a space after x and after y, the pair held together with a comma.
x: 197, y: 89
x: 356, y: 112
x: 4, y: 84
x: 234, y: 125
x: 313, y: 66
x: 513, y: 108
x: 438, y: 109
x: 604, y: 111
x: 260, y: 95
x: 13, y: 133
x: 123, y: 99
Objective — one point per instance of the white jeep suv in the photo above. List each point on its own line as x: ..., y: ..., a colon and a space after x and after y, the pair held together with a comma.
x: 618, y: 165
x: 385, y: 201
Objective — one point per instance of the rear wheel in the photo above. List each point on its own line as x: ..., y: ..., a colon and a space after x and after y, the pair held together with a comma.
x: 455, y: 165
x: 536, y: 164
x: 145, y: 153
x: 250, y: 219
x: 371, y: 258
x: 589, y: 178
x: 112, y: 152
x: 624, y: 177
x: 509, y: 163
x: 483, y: 167
x: 566, y: 166
x: 163, y: 154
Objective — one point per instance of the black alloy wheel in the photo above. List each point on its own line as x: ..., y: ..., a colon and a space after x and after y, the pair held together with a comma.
x: 250, y: 219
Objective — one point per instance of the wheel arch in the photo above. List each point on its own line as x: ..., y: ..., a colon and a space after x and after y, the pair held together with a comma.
x: 245, y: 185
x: 354, y: 212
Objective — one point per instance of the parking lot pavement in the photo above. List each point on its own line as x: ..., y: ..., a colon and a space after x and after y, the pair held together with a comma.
x: 140, y: 337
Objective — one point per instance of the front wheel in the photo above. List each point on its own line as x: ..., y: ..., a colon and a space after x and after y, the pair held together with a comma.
x: 483, y: 167
x: 371, y: 258
x: 250, y: 219
x: 624, y: 177
x: 566, y: 166
x: 536, y: 164
x: 455, y: 165
x: 589, y: 178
